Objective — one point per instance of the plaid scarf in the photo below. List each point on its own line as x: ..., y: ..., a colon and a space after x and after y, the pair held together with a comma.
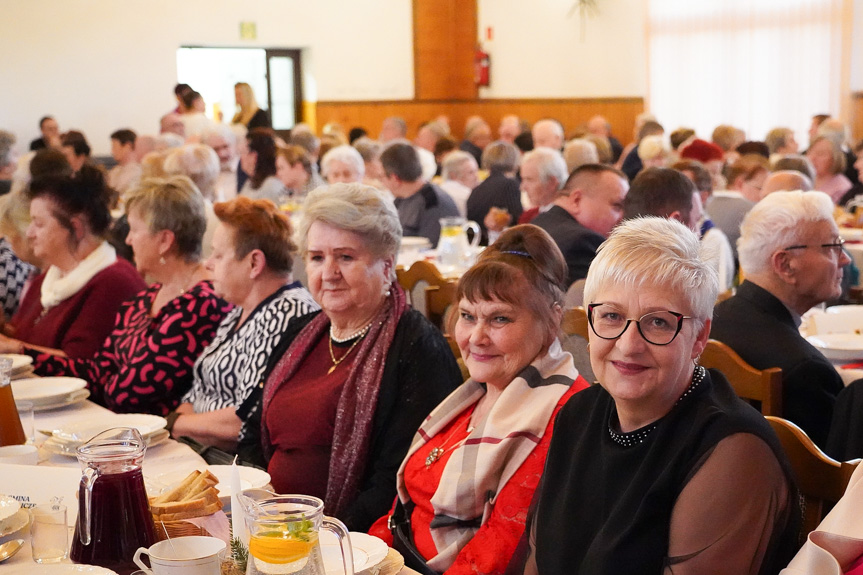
x: 357, y: 402
x: 478, y: 469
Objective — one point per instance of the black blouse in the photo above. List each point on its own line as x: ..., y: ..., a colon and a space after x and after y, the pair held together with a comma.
x: 709, y: 490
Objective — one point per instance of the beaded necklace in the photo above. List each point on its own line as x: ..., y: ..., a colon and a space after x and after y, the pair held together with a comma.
x: 639, y: 435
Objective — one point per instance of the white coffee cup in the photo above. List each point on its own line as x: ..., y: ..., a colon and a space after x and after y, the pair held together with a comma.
x: 19, y: 454
x: 195, y: 555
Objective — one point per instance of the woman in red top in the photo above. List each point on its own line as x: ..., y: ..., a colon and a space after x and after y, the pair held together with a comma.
x: 145, y: 363
x: 70, y: 309
x: 466, y: 484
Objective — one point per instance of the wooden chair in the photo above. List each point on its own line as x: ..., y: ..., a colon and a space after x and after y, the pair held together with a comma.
x: 575, y: 322
x: 764, y: 386
x: 819, y: 477
x: 428, y: 291
x: 457, y: 353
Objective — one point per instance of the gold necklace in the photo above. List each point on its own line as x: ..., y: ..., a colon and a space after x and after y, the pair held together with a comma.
x: 438, y: 452
x: 336, y: 362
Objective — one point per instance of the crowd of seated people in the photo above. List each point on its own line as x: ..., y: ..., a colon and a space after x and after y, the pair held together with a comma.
x: 341, y: 390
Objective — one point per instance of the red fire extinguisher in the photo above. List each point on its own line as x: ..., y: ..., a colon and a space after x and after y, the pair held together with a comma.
x: 482, y: 67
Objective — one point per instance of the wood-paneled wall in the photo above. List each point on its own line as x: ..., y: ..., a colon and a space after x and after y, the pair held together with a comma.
x: 856, y: 119
x: 620, y: 112
x: 444, y: 42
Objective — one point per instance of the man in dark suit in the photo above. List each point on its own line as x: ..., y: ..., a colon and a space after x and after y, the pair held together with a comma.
x: 791, y: 255
x: 588, y: 206
x: 50, y: 135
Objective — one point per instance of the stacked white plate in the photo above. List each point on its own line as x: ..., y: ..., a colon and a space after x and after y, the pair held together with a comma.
x: 838, y: 346
x: 66, y: 439
x: 20, y: 363
x: 50, y: 392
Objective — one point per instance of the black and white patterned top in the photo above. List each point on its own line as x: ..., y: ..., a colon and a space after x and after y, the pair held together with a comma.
x: 13, y: 275
x: 228, y: 372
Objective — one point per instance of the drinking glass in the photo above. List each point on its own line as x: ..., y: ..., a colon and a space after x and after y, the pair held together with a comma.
x: 28, y: 423
x: 49, y: 536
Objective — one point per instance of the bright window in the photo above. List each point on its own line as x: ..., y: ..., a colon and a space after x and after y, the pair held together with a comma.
x: 754, y: 64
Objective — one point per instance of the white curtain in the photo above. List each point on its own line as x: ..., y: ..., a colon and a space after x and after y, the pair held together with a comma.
x: 754, y: 64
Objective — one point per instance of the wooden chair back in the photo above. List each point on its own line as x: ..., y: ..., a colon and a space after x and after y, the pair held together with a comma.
x: 764, y: 386
x: 819, y: 477
x: 575, y: 322
x: 428, y: 291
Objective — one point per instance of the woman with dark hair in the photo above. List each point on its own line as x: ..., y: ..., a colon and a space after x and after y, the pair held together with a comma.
x: 470, y: 473
x: 145, y: 363
x: 70, y: 308
x: 258, y: 160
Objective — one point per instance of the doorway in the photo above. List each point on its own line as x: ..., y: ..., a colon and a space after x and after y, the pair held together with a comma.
x: 275, y: 76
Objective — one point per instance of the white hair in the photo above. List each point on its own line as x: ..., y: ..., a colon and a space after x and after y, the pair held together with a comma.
x: 652, y: 147
x: 579, y: 152
x: 168, y: 140
x: 220, y: 131
x: 453, y: 164
x: 657, y: 252
x: 357, y: 208
x: 347, y: 155
x: 197, y: 161
x: 775, y: 223
x: 550, y: 164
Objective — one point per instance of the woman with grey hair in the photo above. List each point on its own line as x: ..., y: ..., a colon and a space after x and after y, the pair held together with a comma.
x: 145, y: 364
x: 496, y: 202
x: 348, y: 387
x: 371, y: 151
x: 200, y: 164
x: 579, y: 152
x: 343, y: 164
x: 661, y: 465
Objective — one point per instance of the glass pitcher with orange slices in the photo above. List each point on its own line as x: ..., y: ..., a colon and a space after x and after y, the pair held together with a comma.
x: 283, y: 536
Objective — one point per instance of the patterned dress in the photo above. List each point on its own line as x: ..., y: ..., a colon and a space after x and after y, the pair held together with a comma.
x: 229, y: 372
x: 145, y: 364
x: 14, y: 273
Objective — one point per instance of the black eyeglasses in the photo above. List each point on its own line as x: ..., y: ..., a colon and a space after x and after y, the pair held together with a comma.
x: 835, y: 246
x: 657, y: 328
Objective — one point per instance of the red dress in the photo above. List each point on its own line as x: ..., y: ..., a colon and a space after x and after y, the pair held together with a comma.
x: 494, y: 543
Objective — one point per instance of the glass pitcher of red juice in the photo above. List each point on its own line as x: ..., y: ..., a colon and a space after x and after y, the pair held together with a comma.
x: 113, y: 512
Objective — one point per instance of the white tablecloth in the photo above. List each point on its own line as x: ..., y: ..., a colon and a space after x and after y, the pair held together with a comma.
x: 169, y: 456
x: 838, y: 540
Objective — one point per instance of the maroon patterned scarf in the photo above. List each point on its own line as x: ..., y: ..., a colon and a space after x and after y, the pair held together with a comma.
x: 357, y: 403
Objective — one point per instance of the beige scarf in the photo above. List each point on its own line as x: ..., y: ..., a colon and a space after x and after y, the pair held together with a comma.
x: 478, y: 469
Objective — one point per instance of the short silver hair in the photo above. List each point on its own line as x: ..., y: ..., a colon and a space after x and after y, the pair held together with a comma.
x: 453, y: 164
x: 357, y: 208
x: 775, y: 223
x: 549, y: 124
x: 220, y: 131
x: 579, y: 152
x: 197, y: 161
x: 347, y: 155
x: 659, y: 252
x: 549, y: 163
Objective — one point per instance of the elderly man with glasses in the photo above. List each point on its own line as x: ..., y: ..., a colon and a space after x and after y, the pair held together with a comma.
x: 792, y: 258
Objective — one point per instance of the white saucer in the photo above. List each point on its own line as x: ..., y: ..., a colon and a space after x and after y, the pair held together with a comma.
x: 838, y: 346
x: 368, y: 551
x: 17, y: 522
